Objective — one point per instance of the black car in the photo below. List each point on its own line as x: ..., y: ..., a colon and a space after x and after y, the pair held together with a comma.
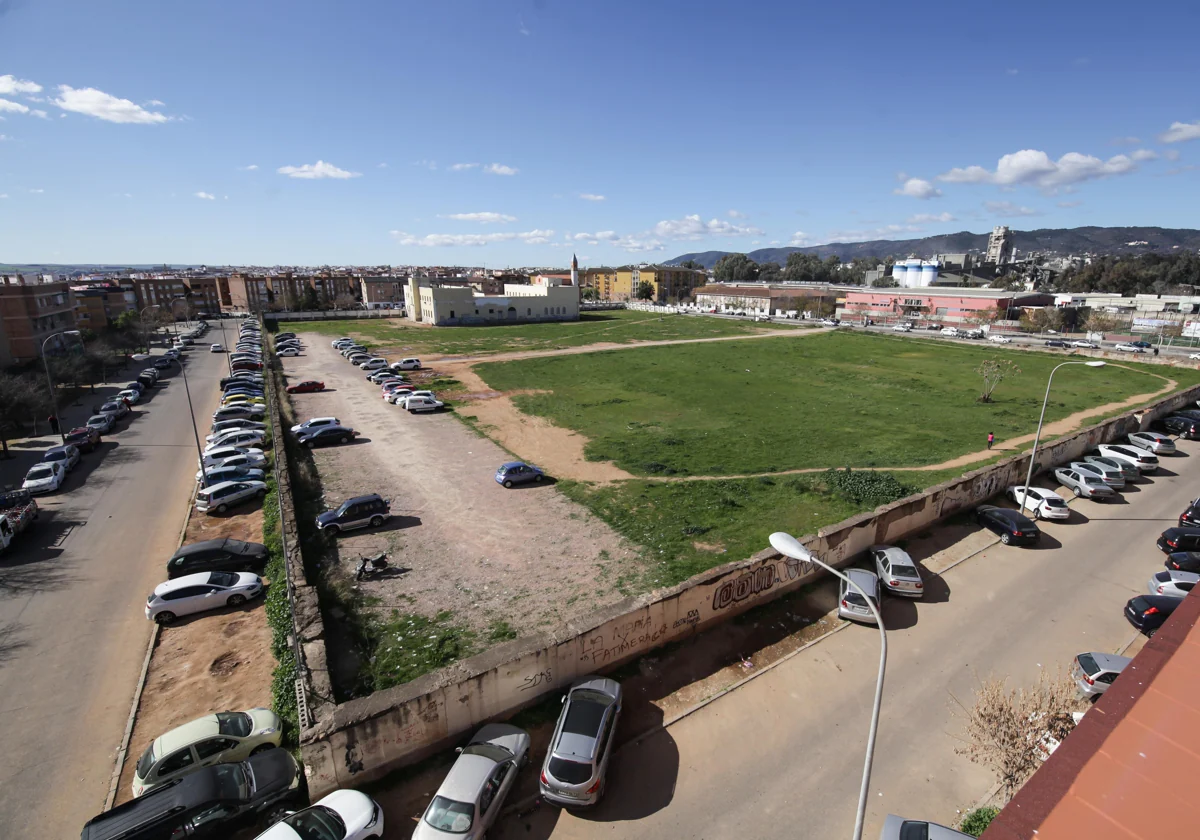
x: 148, y: 379
x: 242, y: 380
x: 221, y: 555
x: 213, y: 802
x: 1014, y: 528
x: 1184, y: 561
x: 140, y: 387
x: 1149, y: 612
x: 325, y: 436
x: 1145, y: 345
x: 1056, y: 342
x: 1186, y: 427
x: 358, y: 512
x: 162, y: 364
x: 1179, y: 539
x: 1191, y: 516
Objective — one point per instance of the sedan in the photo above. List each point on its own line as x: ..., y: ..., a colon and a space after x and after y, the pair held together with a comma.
x: 102, y: 423
x: 851, y: 604
x: 130, y: 394
x: 1174, y: 540
x: 518, y: 472
x: 342, y: 815
x: 472, y: 795
x: 84, y: 438
x: 1149, y: 612
x: 1085, y: 345
x: 162, y: 364
x: 1128, y: 348
x: 116, y: 408
x: 1128, y: 471
x: 201, y: 592
x: 315, y: 423
x: 246, y: 365
x: 1055, y: 342
x: 243, y: 377
x: 1095, y: 672
x: 254, y: 463
x: 1114, y: 477
x: 1153, y: 442
x: 1044, y: 504
x: 239, y: 437
x: 213, y: 739
x: 216, y: 348
x: 44, y: 478
x: 1083, y: 484
x: 1191, y: 516
x: 1172, y: 583
x: 1013, y: 528
x: 215, y: 455
x: 897, y: 571
x: 1183, y: 561
x: 287, y: 351
x: 66, y: 456
x: 222, y: 427
x: 999, y: 339
x: 326, y: 436
x: 224, y: 554
x: 230, y: 412
x: 305, y: 387
x: 216, y: 475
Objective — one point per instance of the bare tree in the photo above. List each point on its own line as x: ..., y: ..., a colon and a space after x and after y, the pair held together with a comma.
x: 1102, y: 322
x: 995, y: 371
x: 1011, y: 731
x: 21, y: 398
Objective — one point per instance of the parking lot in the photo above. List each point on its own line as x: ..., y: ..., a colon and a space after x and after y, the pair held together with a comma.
x: 527, y: 556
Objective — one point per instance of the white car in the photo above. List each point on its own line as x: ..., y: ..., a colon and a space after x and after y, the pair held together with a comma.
x: 224, y: 427
x: 248, y: 461
x: 1045, y: 504
x: 1125, y: 347
x: 342, y: 815
x: 1085, y: 345
x: 897, y: 571
x: 201, y: 592
x: 999, y: 339
x: 952, y: 332
x: 129, y: 394
x: 401, y: 398
x: 216, y: 348
x: 1113, y: 476
x: 415, y: 404
x: 1194, y: 357
x: 218, y: 454
x: 238, y: 437
x: 902, y: 328
x: 376, y: 363
x: 315, y: 423
x: 45, y: 477
x: 287, y: 351
x: 1138, y: 457
x: 407, y: 364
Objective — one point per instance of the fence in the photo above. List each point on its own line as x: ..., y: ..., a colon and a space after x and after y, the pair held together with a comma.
x: 333, y: 315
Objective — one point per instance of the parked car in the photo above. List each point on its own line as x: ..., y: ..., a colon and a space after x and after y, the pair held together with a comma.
x: 573, y: 772
x: 897, y: 571
x: 162, y: 364
x: 1149, y: 612
x: 898, y: 828
x: 219, y: 498
x: 1095, y: 672
x: 473, y: 792
x: 518, y: 472
x: 201, y: 592
x: 415, y: 404
x: 84, y: 438
x: 399, y: 395
x: 305, y: 387
x: 1114, y: 477
x: 315, y: 423
x: 66, y: 456
x: 211, y: 804
x: 325, y: 436
x: 244, y: 365
x: 1056, y: 342
x: 248, y: 438
x: 344, y: 340
x: 1178, y: 539
x: 224, y: 554
x: 1186, y: 427
x: 407, y: 364
x: 1012, y: 527
x: 1153, y: 441
x: 902, y: 328
x: 1128, y: 348
x: 131, y: 394
x: 212, y: 739
x: 251, y: 463
x: 1183, y: 561
x: 1140, y: 458
x: 216, y: 348
x: 116, y: 408
x: 221, y: 427
x: 230, y: 412
x: 1083, y: 344
x: 1191, y: 516
x: 851, y: 604
x: 1084, y: 484
x: 1142, y: 345
x: 102, y: 423
x: 358, y: 512
x: 44, y: 478
x: 242, y: 377
x: 382, y: 375
x: 287, y: 351
x: 1174, y: 584
x: 216, y: 475
x: 952, y: 332
x: 1000, y: 339
x: 1043, y: 504
x: 342, y: 815
x: 1129, y: 470
x: 215, y: 455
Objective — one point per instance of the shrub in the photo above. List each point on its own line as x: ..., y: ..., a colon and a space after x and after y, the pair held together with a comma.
x: 977, y: 821
x: 407, y: 646
x: 865, y: 486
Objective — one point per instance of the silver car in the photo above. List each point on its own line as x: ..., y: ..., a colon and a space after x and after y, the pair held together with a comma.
x: 1087, y: 486
x: 851, y: 604
x: 1114, y: 477
x: 472, y: 794
x: 1154, y: 442
x: 577, y: 761
x: 1128, y: 470
x: 1095, y: 672
x: 1174, y: 583
x: 897, y: 570
x: 218, y: 498
x: 898, y: 828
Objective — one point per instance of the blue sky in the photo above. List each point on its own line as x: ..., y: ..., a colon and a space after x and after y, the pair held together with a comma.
x: 515, y: 132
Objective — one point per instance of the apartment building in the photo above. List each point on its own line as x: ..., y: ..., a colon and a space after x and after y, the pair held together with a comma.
x: 669, y: 283
x: 431, y: 302
x: 159, y: 291
x: 203, y: 294
x: 31, y: 310
x: 602, y: 279
x: 244, y: 293
x: 382, y: 292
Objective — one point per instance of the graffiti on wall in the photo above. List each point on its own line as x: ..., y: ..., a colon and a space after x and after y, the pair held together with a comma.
x: 755, y: 581
x: 534, y: 680
x: 620, y: 639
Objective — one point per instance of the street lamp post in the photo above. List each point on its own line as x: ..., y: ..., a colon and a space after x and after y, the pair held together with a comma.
x: 141, y: 357
x: 1038, y: 435
x: 788, y: 545
x: 50, y: 382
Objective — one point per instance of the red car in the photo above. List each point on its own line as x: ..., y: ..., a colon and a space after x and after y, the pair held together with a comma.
x: 85, y: 438
x: 306, y: 387
x: 247, y: 366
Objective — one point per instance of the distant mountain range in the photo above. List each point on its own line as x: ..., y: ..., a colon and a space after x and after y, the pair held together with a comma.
x: 1057, y: 241
x: 82, y: 268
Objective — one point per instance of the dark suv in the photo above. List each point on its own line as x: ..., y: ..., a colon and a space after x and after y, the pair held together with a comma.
x: 1174, y: 540
x: 213, y: 802
x: 1186, y: 427
x: 220, y: 555
x: 358, y: 512
x: 573, y: 773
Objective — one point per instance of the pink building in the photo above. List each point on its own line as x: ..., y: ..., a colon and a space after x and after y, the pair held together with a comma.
x: 940, y: 305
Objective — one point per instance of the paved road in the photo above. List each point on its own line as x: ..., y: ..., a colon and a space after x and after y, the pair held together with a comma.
x: 782, y: 756
x: 72, y: 631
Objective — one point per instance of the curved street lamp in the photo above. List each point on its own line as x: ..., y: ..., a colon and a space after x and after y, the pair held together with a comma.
x: 788, y: 545
x: 50, y: 382
x: 1038, y: 436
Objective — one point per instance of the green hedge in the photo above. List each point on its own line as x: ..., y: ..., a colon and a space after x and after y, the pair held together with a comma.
x: 977, y: 821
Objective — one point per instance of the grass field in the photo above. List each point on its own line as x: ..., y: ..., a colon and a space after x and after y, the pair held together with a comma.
x: 617, y: 326
x: 839, y: 399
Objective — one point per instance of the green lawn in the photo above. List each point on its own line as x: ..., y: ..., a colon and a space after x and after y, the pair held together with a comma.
x: 841, y: 399
x: 617, y: 326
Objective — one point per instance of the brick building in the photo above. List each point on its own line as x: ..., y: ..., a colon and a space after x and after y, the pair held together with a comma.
x: 30, y: 311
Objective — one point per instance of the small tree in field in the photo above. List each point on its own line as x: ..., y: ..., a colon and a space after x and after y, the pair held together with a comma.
x: 1006, y: 730
x: 995, y: 371
x: 645, y: 290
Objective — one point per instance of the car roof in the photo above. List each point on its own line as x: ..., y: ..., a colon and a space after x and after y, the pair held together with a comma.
x: 195, y: 579
x: 604, y: 685
x: 224, y: 484
x: 1163, y: 603
x: 863, y: 578
x: 465, y: 779
x: 1180, y: 530
x: 368, y: 498
x: 1109, y: 661
x: 225, y: 543
x: 188, y: 733
x: 512, y: 464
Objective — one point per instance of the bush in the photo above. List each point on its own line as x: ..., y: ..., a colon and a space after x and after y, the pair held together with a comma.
x: 977, y: 821
x: 865, y: 486
x: 407, y: 646
x: 279, y: 619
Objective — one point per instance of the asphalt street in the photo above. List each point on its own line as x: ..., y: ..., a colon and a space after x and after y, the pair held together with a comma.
x: 782, y: 756
x: 73, y: 633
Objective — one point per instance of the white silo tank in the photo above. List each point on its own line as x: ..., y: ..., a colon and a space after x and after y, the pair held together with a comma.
x: 929, y: 273
x: 912, y: 273
x: 900, y: 273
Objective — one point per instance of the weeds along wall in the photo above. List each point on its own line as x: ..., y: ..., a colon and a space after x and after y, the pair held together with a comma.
x: 366, y: 738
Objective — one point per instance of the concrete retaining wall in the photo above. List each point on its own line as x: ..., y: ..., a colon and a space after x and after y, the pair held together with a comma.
x: 366, y: 738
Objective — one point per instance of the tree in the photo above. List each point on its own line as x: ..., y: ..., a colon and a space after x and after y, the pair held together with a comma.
x: 736, y: 268
x: 884, y: 281
x: 770, y: 272
x: 1102, y: 322
x: 983, y: 317
x: 1007, y: 731
x: 691, y: 264
x: 345, y: 301
x: 1040, y: 320
x: 993, y: 372
x: 645, y: 290
x: 308, y: 300
x: 589, y: 293
x: 22, y: 398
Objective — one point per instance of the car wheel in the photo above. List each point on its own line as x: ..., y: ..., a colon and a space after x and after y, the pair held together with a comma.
x: 1150, y: 635
x: 262, y: 748
x: 165, y: 617
x: 376, y: 521
x: 333, y: 530
x: 222, y: 508
x: 1006, y: 538
x: 345, y: 440
x: 537, y: 478
x: 236, y: 600
x: 312, y: 444
x: 412, y: 411
x: 1075, y: 490
x: 1037, y: 514
x: 508, y: 483
x: 261, y: 494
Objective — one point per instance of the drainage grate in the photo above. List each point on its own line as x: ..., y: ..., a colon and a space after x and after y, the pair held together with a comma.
x: 302, y: 714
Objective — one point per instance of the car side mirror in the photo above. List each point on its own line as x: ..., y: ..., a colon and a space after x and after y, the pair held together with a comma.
x: 564, y: 699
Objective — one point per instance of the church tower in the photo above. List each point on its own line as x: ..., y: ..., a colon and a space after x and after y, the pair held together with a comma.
x: 574, y: 271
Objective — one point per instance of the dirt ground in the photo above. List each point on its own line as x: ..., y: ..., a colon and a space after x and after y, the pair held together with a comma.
x: 458, y: 541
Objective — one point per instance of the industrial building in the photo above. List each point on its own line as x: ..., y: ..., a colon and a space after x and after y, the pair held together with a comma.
x: 1000, y: 245
x: 430, y: 301
x: 946, y: 306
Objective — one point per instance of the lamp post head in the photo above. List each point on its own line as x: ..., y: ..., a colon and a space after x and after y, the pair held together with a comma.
x: 71, y: 332
x: 788, y: 545
x: 1095, y: 364
x: 139, y: 357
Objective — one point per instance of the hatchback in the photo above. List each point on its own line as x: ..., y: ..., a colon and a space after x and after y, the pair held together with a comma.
x: 1172, y: 583
x: 517, y: 472
x: 1191, y: 516
x: 201, y: 592
x: 239, y: 437
x: 116, y: 408
x: 1183, y: 561
x: 851, y: 604
x: 1153, y: 442
x: 132, y: 394
x: 314, y: 423
x: 1042, y: 503
x: 215, y: 455
x: 407, y: 364
x: 325, y: 436
x: 1083, y: 484
x: 102, y: 423
x: 1140, y: 458
x: 1095, y: 672
x: 1149, y: 612
x: 287, y: 351
x: 577, y: 760
x: 251, y: 463
x: 1179, y: 539
x: 897, y: 571
x: 1012, y: 527
x: 44, y: 478
x: 221, y: 497
x: 1129, y: 471
x: 1114, y: 477
x: 359, y: 512
x: 1056, y: 342
x: 342, y: 815
x: 66, y: 456
x: 1187, y: 428
x: 224, y: 554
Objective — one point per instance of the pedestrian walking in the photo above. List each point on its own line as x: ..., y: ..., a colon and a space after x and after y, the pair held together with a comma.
x: 1155, y: 351
x: 991, y: 439
x: 53, y: 420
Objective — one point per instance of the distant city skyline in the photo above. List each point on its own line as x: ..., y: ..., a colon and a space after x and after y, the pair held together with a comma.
x: 517, y: 133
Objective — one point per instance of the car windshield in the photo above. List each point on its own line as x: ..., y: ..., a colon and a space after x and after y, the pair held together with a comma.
x: 222, y: 578
x: 146, y: 762
x: 40, y: 472
x: 317, y: 823
x: 1055, y: 503
x: 900, y: 570
x: 493, y: 751
x: 449, y: 815
x: 238, y: 724
x: 99, y: 419
x: 855, y: 599
x: 231, y: 782
x: 54, y: 455
x: 571, y: 772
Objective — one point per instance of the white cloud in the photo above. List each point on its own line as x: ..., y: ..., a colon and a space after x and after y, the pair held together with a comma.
x: 450, y: 240
x: 918, y: 188
x: 382, y: 165
x: 104, y: 106
x: 799, y: 239
x: 37, y: 191
x: 11, y: 84
x: 206, y: 196
x: 13, y: 107
x: 736, y: 214
x: 320, y: 169
x: 500, y: 169
x: 155, y: 103
x: 773, y: 242
x: 930, y: 218
x: 482, y: 218
x: 40, y: 114
x: 252, y: 167
x: 1031, y: 166
x: 521, y: 26
x: 884, y: 232
x: 3, y: 137
x: 1126, y: 141
x: 591, y: 197
x: 692, y: 228
x: 1069, y: 204
x: 1178, y: 132
x: 3, y: 195
x: 1171, y: 154
x: 1007, y: 208
x: 1144, y: 154
x: 462, y: 167
x: 1012, y: 71
x: 597, y: 237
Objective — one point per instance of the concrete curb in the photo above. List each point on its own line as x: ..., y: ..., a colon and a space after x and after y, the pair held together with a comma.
x: 1121, y: 650
x: 123, y: 752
